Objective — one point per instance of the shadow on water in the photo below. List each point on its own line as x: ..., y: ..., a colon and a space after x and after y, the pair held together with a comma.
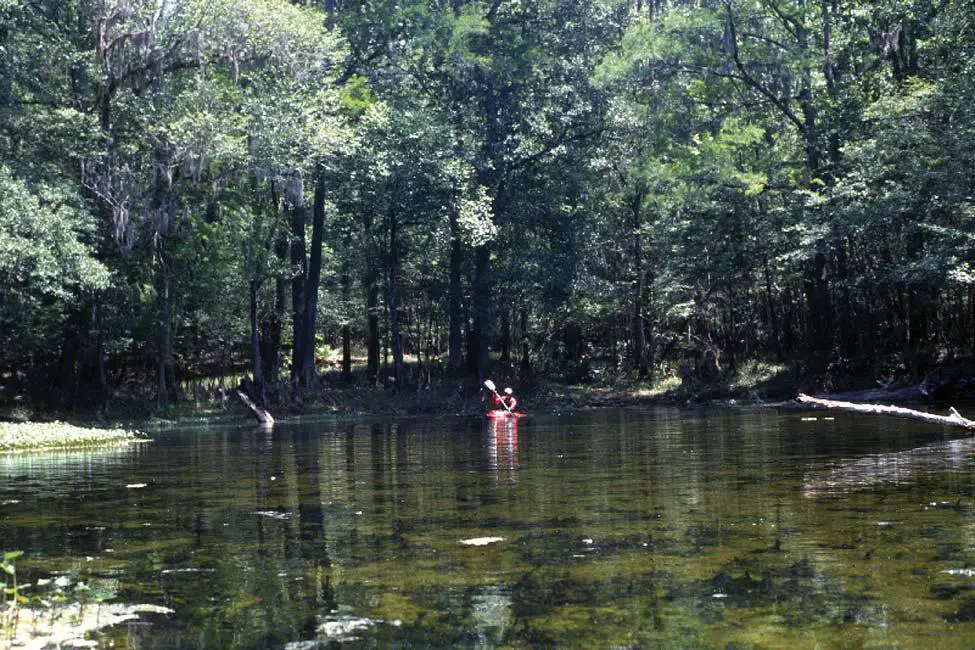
x: 658, y: 528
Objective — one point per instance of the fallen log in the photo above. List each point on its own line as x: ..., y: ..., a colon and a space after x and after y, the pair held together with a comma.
x: 263, y: 417
x: 953, y: 419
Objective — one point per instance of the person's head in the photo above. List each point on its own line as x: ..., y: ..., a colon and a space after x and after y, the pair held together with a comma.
x: 508, y: 391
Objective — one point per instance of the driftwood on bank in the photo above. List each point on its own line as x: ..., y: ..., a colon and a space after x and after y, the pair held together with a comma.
x: 263, y: 417
x: 953, y: 419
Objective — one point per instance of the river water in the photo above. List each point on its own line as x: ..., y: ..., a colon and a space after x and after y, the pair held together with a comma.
x: 607, y: 529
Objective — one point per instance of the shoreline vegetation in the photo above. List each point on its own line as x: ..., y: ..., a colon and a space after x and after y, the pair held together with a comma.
x: 18, y: 437
x: 751, y: 384
x: 25, y: 428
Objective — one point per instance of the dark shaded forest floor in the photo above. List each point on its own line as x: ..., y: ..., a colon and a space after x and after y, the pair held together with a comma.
x: 751, y: 384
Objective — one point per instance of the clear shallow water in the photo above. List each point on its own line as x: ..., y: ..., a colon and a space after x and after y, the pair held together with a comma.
x: 660, y: 528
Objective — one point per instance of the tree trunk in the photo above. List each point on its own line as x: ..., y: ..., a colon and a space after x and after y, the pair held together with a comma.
x: 310, y: 293
x: 773, y: 314
x: 639, y: 333
x: 791, y: 319
x: 505, y: 337
x: 371, y: 285
x: 258, y: 369
x: 971, y: 319
x: 330, y: 7
x: 99, y: 322
x: 455, y: 354
x: 820, y: 311
x: 810, y: 131
x: 847, y: 334
x: 526, y: 366
x: 386, y: 329
x: 638, y: 341
x: 165, y: 341
x: 829, y: 73
x: 68, y: 366
x: 917, y: 332
x: 346, y: 282
x: 299, y: 268
x: 482, y: 302
x: 650, y: 354
x: 274, y: 327
x: 372, y: 323
x: 394, y: 324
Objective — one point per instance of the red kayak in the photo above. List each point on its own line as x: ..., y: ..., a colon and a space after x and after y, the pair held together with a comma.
x: 504, y: 414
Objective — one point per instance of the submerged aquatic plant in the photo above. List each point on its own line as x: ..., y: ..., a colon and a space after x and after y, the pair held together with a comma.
x: 11, y: 597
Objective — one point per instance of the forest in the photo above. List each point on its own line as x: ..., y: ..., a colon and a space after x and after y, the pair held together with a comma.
x: 420, y: 193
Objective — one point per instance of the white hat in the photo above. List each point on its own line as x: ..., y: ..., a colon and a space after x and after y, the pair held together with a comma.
x: 508, y: 391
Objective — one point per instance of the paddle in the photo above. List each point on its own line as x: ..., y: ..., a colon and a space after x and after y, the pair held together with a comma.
x: 494, y: 389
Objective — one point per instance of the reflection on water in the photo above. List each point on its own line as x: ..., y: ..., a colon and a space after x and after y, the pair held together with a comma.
x: 60, y: 471
x: 663, y: 528
x: 502, y: 449
x: 896, y: 468
x: 492, y: 615
x: 60, y: 463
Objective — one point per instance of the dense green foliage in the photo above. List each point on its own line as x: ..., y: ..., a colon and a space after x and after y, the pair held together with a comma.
x: 576, y: 188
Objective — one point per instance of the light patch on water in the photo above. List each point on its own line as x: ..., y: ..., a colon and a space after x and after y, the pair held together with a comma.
x: 67, y: 626
x: 481, y: 541
x: 273, y: 514
x: 344, y: 629
x: 492, y: 616
x: 339, y: 629
x: 968, y: 573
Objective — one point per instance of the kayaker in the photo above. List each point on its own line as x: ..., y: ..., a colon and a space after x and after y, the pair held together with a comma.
x: 508, y: 399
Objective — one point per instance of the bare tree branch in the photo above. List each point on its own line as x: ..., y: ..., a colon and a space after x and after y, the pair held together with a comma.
x: 749, y: 80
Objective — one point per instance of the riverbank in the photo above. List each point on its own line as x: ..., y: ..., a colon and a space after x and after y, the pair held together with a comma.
x: 749, y: 385
x: 38, y: 436
x: 752, y: 383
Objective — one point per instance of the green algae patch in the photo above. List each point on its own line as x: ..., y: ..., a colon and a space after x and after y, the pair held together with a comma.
x: 37, y: 436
